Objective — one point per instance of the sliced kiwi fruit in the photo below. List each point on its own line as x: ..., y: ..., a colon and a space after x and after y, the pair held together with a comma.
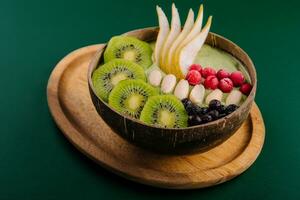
x: 164, y: 111
x: 129, y: 48
x: 130, y: 96
x: 107, y: 76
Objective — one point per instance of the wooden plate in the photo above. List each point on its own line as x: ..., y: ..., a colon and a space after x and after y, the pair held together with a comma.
x: 72, y: 109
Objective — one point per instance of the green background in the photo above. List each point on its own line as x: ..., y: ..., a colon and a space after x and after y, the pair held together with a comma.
x: 37, y: 162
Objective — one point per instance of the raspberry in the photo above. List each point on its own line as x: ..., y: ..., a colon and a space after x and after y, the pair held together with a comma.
x: 211, y: 82
x: 246, y: 88
x: 196, y: 67
x: 193, y: 77
x: 225, y: 85
x: 222, y: 74
x: 237, y: 78
x: 208, y: 71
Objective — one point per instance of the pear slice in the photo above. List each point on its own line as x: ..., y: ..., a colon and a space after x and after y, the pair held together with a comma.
x: 195, y: 31
x: 185, y: 31
x: 189, y: 52
x: 174, y: 32
x: 162, y: 34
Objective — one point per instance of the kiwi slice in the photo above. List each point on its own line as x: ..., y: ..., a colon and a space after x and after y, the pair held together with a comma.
x: 130, y: 96
x: 107, y: 76
x: 164, y: 111
x: 129, y: 48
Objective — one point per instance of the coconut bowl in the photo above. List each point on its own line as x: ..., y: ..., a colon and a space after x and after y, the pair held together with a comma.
x: 180, y: 140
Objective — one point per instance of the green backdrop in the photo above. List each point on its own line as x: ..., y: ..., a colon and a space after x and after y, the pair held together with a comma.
x: 37, y: 162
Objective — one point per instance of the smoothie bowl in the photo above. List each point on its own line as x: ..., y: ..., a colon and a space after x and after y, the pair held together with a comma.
x: 172, y: 89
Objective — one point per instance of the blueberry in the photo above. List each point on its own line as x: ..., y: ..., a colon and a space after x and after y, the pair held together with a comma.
x: 214, y: 114
x: 206, y: 118
x: 191, y: 120
x: 189, y: 109
x: 194, y: 120
x: 222, y: 109
x: 231, y: 108
x: 214, y: 104
x: 204, y: 111
x: 186, y: 101
x: 198, y: 120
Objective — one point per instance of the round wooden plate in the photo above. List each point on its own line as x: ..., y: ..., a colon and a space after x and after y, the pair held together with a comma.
x: 72, y: 109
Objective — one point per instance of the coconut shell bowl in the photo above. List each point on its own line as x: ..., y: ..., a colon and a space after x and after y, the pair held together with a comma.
x: 180, y: 140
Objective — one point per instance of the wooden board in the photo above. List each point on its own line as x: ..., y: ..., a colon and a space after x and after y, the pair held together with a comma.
x: 72, y: 109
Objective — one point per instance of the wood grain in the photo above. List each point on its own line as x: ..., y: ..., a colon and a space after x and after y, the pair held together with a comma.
x: 73, y: 111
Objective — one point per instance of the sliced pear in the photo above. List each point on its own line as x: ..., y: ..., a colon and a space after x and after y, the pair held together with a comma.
x: 189, y: 52
x: 185, y: 31
x: 162, y: 34
x: 174, y: 32
x: 192, y: 34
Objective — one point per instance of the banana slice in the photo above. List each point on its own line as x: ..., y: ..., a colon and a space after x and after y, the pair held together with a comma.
x: 197, y: 94
x: 185, y: 31
x: 216, y: 94
x: 174, y: 32
x: 234, y: 97
x: 168, y: 83
x: 162, y: 34
x: 155, y: 77
x: 182, y: 89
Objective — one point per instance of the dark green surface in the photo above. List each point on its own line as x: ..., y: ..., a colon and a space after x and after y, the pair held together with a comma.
x: 37, y: 162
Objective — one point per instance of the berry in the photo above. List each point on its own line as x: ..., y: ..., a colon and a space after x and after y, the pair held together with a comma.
x: 214, y: 104
x: 225, y: 85
x: 231, y: 108
x: 192, y: 109
x: 214, y: 114
x: 222, y: 73
x: 222, y: 109
x: 196, y: 67
x: 193, y: 77
x: 246, y: 88
x: 194, y: 120
x: 211, y: 82
x: 237, y: 78
x: 186, y: 102
x: 208, y: 71
x: 206, y: 118
x: 204, y: 111
x: 189, y: 109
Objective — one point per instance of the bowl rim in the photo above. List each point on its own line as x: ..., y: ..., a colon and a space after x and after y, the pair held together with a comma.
x: 91, y: 69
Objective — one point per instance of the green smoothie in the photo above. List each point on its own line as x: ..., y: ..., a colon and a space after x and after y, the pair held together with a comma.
x: 212, y: 57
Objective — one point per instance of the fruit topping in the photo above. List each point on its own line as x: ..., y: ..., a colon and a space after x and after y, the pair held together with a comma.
x: 234, y: 97
x: 107, y: 76
x: 155, y: 77
x: 214, y: 95
x: 129, y: 97
x: 237, y: 78
x: 196, y: 67
x: 193, y: 77
x: 231, y: 108
x: 246, y: 88
x: 214, y: 104
x: 168, y: 83
x: 129, y: 48
x: 208, y: 71
x: 222, y: 73
x: 225, y: 85
x: 211, y: 82
x: 182, y: 89
x: 197, y: 94
x: 164, y: 111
